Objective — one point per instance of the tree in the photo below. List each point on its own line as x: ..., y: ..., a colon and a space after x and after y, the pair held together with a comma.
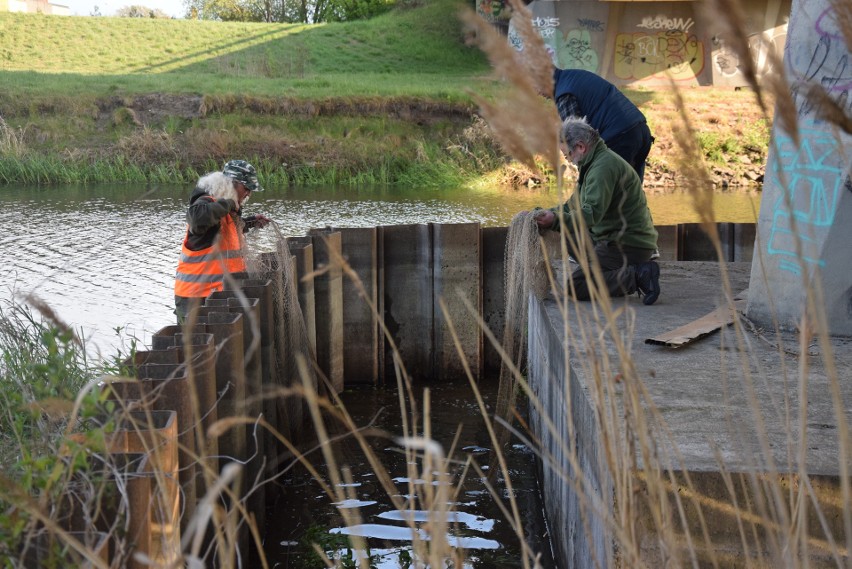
x: 139, y: 11
x: 303, y: 11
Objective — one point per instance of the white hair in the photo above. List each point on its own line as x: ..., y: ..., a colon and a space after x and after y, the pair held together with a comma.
x: 219, y: 186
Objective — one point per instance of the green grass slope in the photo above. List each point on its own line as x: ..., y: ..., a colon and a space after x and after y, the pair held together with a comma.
x: 416, y: 51
x: 385, y: 100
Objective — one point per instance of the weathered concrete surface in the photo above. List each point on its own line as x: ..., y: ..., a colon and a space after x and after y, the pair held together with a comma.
x: 706, y: 394
x: 645, y: 43
x: 806, y: 209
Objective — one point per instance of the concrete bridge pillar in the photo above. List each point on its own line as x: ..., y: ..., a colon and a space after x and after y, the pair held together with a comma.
x: 805, y: 222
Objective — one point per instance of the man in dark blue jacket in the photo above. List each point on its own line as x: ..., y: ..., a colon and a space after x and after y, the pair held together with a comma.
x: 579, y: 93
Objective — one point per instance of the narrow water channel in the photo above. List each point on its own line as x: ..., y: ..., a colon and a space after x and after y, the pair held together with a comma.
x: 304, y: 513
x: 103, y: 257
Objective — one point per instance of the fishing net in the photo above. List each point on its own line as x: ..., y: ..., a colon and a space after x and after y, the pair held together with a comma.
x: 525, y: 274
x: 290, y: 337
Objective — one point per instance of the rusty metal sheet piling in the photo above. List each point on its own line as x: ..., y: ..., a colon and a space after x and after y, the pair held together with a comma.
x: 262, y: 289
x: 255, y: 434
x: 152, y: 515
x: 227, y: 328
x: 408, y: 303
x: 202, y: 372
x: 328, y: 291
x: 360, y: 302
x: 302, y: 249
x: 457, y: 274
x: 493, y: 294
x: 288, y: 409
x: 155, y: 433
x: 165, y: 387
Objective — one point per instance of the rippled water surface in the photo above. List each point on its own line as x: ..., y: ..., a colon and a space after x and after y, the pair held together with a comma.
x: 103, y: 257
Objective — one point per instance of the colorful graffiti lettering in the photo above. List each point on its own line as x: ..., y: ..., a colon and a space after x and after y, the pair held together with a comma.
x: 815, y: 182
x: 548, y: 29
x: 665, y: 23
x: 641, y: 55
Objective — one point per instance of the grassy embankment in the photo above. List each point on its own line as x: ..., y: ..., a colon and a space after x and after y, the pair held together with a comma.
x: 375, y: 101
x: 380, y: 101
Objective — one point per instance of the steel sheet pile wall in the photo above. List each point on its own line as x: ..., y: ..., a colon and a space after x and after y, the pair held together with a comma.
x: 365, y: 294
x: 216, y: 367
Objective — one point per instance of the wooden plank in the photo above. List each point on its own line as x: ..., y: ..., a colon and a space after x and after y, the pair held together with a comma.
x: 697, y: 329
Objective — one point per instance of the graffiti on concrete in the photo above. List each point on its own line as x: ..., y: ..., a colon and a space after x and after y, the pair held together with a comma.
x: 591, y: 25
x: 641, y: 55
x: 571, y: 50
x: 726, y: 60
x: 815, y: 183
x: 827, y: 66
x: 760, y: 45
x: 550, y: 23
x: 664, y: 23
x: 547, y: 27
x: 576, y: 52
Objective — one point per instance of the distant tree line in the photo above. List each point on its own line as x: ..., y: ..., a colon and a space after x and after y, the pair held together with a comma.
x: 290, y: 11
x: 137, y: 11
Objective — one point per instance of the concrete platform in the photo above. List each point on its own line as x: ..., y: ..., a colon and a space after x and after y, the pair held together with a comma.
x: 727, y: 405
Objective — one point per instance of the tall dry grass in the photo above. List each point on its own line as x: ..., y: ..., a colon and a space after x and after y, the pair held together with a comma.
x: 11, y: 140
x: 649, y: 478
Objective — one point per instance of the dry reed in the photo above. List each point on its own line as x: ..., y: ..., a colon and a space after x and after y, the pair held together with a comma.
x: 648, y: 474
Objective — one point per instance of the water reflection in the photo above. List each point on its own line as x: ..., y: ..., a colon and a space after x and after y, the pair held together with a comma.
x: 104, y: 256
x: 391, y: 518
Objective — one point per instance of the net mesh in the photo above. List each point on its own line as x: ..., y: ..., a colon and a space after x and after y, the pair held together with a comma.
x: 525, y: 273
x: 291, y: 338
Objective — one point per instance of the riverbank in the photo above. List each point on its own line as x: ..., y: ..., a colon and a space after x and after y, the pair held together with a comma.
x: 158, y: 137
x: 382, y: 101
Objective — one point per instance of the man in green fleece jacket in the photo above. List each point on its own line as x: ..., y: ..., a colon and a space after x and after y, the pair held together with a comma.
x: 610, y: 205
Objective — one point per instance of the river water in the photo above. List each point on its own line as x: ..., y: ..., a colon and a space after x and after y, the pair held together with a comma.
x: 103, y: 257
x: 303, y: 513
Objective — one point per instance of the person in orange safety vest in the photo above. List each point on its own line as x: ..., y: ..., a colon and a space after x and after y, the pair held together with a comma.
x: 213, y: 243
